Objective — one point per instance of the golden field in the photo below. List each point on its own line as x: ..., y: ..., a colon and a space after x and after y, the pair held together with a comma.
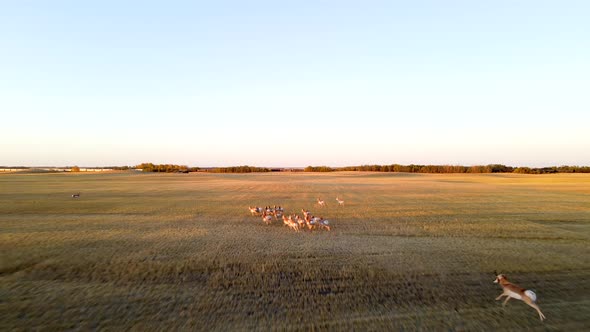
x: 181, y: 251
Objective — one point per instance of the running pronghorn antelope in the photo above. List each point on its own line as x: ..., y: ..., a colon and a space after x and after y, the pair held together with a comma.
x: 286, y: 220
x: 321, y: 202
x: 306, y: 213
x: 310, y: 222
x: 313, y: 222
x: 323, y: 223
x: 76, y: 195
x: 340, y: 202
x: 318, y: 222
x: 291, y: 223
x: 300, y: 221
x: 278, y: 212
x: 267, y: 218
x: 255, y: 210
x: 511, y: 290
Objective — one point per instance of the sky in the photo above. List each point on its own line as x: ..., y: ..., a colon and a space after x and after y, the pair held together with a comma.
x: 294, y: 83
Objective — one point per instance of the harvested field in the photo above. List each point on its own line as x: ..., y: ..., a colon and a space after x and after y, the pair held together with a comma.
x: 182, y: 251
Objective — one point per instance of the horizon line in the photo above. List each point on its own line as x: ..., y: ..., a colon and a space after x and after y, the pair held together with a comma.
x: 289, y: 167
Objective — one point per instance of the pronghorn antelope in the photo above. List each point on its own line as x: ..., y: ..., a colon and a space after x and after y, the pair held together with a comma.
x: 300, y: 221
x: 312, y: 222
x: 294, y: 226
x: 76, y: 195
x: 340, y: 202
x: 267, y: 218
x: 255, y: 210
x: 306, y: 213
x: 321, y: 202
x: 288, y: 221
x: 277, y: 213
x: 323, y: 223
x: 511, y: 290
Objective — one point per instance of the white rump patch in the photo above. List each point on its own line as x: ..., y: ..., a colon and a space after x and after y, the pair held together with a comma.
x: 531, y: 295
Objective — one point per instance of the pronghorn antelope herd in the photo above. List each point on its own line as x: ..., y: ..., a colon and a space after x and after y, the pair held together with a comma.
x: 311, y: 222
x: 293, y: 221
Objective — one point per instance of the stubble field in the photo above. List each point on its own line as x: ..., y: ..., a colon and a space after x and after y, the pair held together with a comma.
x: 181, y: 251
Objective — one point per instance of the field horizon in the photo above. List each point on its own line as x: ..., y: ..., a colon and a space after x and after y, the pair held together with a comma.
x: 407, y: 251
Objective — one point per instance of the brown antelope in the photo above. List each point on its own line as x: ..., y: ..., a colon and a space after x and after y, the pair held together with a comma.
x: 300, y: 221
x: 76, y: 195
x: 340, y: 202
x: 278, y: 214
x: 321, y: 202
x: 294, y: 225
x: 267, y: 218
x: 286, y: 220
x: 311, y: 222
x: 306, y: 213
x: 511, y: 290
x: 255, y: 210
x: 323, y: 223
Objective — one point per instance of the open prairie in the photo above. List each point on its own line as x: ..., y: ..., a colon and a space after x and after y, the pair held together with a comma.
x: 181, y: 251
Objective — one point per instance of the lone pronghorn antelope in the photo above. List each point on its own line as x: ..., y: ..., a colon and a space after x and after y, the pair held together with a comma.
x: 511, y: 290
x: 340, y: 202
x: 321, y: 202
x: 76, y: 195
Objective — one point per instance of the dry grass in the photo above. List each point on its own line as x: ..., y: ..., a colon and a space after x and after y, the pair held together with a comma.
x: 161, y: 252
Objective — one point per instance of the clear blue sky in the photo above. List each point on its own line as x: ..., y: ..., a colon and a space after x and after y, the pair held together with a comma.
x: 294, y: 83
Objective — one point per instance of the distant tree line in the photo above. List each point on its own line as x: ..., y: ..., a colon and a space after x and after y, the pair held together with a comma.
x: 319, y: 169
x: 170, y: 168
x: 493, y: 168
x: 166, y: 168
x: 554, y: 169
x: 238, y: 169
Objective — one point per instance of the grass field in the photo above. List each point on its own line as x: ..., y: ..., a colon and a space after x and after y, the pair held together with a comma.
x: 181, y: 251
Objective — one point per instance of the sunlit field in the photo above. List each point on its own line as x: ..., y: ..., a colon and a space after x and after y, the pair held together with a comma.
x: 182, y: 251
